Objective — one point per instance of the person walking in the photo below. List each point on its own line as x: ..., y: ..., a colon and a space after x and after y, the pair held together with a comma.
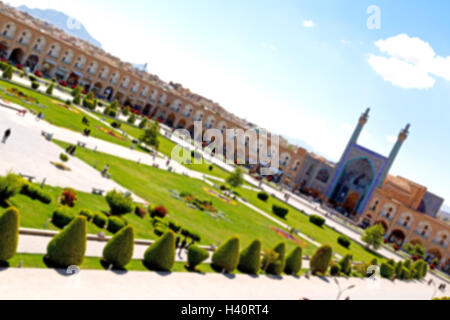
x: 6, y: 135
x: 105, y: 170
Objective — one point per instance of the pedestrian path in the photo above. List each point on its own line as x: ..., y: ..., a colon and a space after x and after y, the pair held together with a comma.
x: 43, y: 284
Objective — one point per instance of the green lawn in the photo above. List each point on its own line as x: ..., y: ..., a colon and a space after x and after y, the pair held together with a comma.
x: 57, y: 113
x: 166, y: 146
x: 153, y: 185
x: 90, y: 263
x: 34, y: 214
x: 300, y: 221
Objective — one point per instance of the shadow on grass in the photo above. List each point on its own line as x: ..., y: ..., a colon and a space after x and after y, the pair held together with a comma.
x: 163, y: 273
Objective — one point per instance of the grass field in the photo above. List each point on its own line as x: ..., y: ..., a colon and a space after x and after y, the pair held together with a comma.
x: 90, y: 263
x: 59, y: 114
x: 154, y: 186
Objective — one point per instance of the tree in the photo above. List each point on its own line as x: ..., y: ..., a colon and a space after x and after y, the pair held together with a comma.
x: 151, y: 136
x: 226, y: 256
x: 119, y: 249
x: 143, y: 123
x: 114, y: 105
x: 131, y: 119
x: 77, y: 99
x: 69, y: 246
x: 126, y: 111
x: 76, y: 91
x: 9, y: 233
x: 119, y: 203
x: 373, y: 236
x: 276, y: 267
x: 321, y: 260
x: 250, y: 258
x: 49, y: 90
x: 160, y: 256
x: 236, y: 179
x: 294, y: 261
x: 8, y: 73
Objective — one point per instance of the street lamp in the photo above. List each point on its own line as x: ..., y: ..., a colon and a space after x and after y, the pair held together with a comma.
x: 341, y: 291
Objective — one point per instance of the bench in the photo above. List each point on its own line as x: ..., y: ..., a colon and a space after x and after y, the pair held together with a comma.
x: 28, y: 177
x: 81, y: 144
x: 47, y: 135
x: 98, y: 192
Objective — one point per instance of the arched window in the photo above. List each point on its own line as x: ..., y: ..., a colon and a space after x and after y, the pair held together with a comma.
x: 9, y: 30
x: 39, y: 44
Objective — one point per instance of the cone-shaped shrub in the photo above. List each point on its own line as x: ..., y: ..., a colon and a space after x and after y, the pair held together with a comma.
x: 335, y: 269
x: 250, y: 258
x: 294, y: 262
x: 320, y: 260
x: 226, y: 255
x: 195, y: 256
x: 160, y: 256
x: 68, y: 247
x: 9, y: 233
x: 277, y: 267
x: 387, y: 270
x: 119, y: 249
x: 398, y: 269
x: 346, y: 264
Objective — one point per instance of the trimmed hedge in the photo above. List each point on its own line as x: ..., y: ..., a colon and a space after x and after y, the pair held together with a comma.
x: 263, y: 196
x: 160, y: 256
x: 195, y: 256
x: 277, y: 267
x: 346, y: 264
x: 36, y: 193
x: 335, y: 270
x: 69, y: 246
x: 100, y: 220
x: 321, y: 260
x: 118, y: 203
x: 226, y: 256
x: 87, y: 213
x: 175, y: 227
x: 344, y: 241
x: 317, y: 220
x: 9, y: 233
x: 386, y: 270
x: 119, y: 249
x: 10, y: 185
x: 62, y: 216
x: 115, y: 224
x: 250, y: 258
x: 294, y: 262
x: 280, y: 211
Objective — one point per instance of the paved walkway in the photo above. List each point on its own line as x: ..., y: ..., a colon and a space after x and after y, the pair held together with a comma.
x: 45, y: 284
x: 27, y: 152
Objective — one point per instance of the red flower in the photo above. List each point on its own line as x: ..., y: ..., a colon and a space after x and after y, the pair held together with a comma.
x: 19, y: 66
x: 37, y: 73
x: 159, y: 211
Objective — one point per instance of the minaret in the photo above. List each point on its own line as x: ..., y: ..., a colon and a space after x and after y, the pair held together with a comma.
x: 354, y: 138
x: 394, y: 152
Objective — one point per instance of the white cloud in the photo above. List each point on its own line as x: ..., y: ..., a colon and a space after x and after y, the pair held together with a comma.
x: 409, y: 62
x: 308, y: 24
x: 391, y: 139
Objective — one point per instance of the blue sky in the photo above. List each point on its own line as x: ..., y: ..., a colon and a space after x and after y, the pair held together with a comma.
x: 304, y: 69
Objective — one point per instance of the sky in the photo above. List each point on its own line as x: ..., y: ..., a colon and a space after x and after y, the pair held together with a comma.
x: 302, y: 69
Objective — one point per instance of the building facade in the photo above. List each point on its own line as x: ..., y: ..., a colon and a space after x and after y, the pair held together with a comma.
x: 408, y: 213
